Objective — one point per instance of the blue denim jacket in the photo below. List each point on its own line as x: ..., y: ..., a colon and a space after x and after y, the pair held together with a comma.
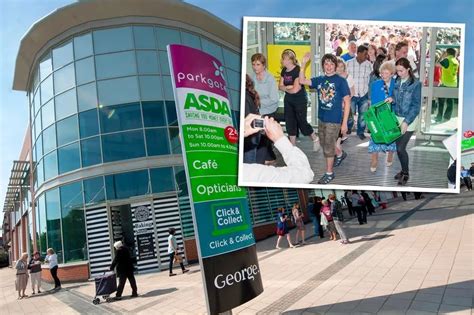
x: 407, y: 99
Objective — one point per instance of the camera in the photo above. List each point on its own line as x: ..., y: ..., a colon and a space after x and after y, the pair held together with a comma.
x: 258, y: 123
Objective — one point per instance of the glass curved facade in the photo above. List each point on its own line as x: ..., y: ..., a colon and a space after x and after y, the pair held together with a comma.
x: 106, y: 96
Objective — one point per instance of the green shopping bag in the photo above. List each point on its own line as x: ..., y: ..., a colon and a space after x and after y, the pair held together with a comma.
x: 382, y: 123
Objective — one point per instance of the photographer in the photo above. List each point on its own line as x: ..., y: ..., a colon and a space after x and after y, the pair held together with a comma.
x: 297, y: 169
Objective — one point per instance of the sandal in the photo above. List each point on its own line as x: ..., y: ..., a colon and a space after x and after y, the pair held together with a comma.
x: 326, y: 179
x: 338, y: 160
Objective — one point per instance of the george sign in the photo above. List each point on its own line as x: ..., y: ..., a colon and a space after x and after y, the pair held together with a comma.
x: 224, y: 236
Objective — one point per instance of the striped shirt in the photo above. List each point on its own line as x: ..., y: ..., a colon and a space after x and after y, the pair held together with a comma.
x: 360, y: 72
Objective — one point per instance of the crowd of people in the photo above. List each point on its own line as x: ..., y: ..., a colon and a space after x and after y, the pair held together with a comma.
x: 365, y: 67
x: 327, y: 216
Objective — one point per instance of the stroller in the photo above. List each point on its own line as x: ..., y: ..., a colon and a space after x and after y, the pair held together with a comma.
x: 105, y: 285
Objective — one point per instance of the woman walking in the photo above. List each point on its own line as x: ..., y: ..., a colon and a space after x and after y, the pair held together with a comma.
x: 52, y: 259
x: 295, y: 100
x: 21, y: 282
x: 381, y: 90
x: 298, y: 217
x: 406, y: 105
x: 338, y: 217
x: 173, y: 252
x: 266, y: 87
x: 35, y: 272
x: 282, y: 228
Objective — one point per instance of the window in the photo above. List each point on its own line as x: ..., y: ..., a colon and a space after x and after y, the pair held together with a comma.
x: 83, y: 46
x: 150, y: 88
x: 126, y: 185
x: 46, y: 90
x: 50, y: 162
x: 67, y: 130
x: 166, y: 36
x: 46, y: 67
x: 162, y: 179
x: 110, y: 40
x: 175, y: 142
x: 190, y: 40
x: 147, y: 62
x: 168, y: 89
x: 171, y: 113
x: 66, y: 104
x: 64, y: 79
x: 94, y: 190
x: 157, y: 142
x: 144, y: 37
x: 115, y: 65
x: 88, y: 123
x: 37, y: 126
x: 212, y: 49
x: 123, y: 146
x: 164, y: 62
x: 47, y: 114
x: 90, y: 151
x: 40, y: 173
x: 39, y: 148
x: 49, y: 139
x: 87, y: 97
x: 232, y: 60
x: 37, y: 101
x: 120, y: 118
x: 154, y: 114
x: 62, y: 55
x: 73, y: 222
x: 85, y: 71
x: 233, y: 79
x: 53, y: 222
x: 68, y: 158
x: 41, y: 225
x: 118, y: 91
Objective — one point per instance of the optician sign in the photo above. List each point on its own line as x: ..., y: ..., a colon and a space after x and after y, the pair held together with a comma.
x: 224, y: 236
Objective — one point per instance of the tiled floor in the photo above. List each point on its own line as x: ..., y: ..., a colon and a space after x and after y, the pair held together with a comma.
x: 416, y: 257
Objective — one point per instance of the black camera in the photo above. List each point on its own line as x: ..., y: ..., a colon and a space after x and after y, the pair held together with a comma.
x: 258, y: 123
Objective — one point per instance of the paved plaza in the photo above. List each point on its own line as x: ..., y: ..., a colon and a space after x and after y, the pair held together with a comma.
x: 416, y: 257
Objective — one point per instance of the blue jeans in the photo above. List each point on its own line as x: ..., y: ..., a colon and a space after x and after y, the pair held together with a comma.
x: 360, y: 105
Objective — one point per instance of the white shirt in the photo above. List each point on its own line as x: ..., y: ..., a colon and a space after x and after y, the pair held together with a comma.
x: 360, y: 72
x: 53, y: 260
x: 172, y: 244
x: 297, y: 171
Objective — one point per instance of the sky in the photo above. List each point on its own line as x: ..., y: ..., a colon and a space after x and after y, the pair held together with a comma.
x: 16, y: 17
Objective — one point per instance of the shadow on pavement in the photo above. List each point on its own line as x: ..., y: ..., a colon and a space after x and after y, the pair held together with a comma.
x: 455, y: 297
x: 368, y: 239
x: 158, y: 292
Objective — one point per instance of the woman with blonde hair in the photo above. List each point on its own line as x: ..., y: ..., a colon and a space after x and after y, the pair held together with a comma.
x: 52, y: 259
x: 21, y: 282
x: 296, y: 100
x: 298, y: 217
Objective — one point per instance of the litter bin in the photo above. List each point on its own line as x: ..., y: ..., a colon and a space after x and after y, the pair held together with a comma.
x: 382, y: 123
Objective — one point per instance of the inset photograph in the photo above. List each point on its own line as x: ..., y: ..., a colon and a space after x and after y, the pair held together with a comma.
x: 348, y: 104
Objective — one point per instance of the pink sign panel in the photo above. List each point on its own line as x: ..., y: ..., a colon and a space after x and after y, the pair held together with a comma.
x: 207, y: 74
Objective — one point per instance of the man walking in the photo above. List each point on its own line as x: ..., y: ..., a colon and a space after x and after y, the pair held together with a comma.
x: 124, y: 263
x: 360, y: 69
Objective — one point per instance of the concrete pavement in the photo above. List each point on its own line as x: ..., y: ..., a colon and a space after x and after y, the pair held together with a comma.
x: 416, y: 257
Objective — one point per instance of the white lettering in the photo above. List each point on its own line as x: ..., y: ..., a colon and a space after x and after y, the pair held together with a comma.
x: 248, y: 273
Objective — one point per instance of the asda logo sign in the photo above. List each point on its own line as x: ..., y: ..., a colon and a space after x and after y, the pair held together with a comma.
x: 207, y: 103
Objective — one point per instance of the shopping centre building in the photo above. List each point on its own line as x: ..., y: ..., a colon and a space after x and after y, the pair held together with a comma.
x: 103, y: 143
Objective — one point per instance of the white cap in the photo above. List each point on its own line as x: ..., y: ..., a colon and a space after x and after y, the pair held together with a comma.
x: 118, y: 244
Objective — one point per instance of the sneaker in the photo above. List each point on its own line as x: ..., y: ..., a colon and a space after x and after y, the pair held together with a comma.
x: 117, y: 298
x: 338, y: 160
x: 316, y: 145
x: 39, y: 291
x: 326, y: 179
x: 172, y: 274
x: 185, y: 270
x: 134, y: 295
x: 33, y: 293
x: 362, y: 137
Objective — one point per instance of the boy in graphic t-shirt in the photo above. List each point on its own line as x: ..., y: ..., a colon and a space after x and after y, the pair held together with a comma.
x: 333, y: 108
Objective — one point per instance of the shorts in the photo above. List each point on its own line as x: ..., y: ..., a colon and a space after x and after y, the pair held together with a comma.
x: 328, y: 134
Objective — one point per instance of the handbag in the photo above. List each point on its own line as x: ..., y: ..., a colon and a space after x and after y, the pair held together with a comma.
x: 324, y: 220
x: 178, y: 259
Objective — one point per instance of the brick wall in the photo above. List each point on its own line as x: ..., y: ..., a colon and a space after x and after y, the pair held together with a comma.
x: 67, y: 273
